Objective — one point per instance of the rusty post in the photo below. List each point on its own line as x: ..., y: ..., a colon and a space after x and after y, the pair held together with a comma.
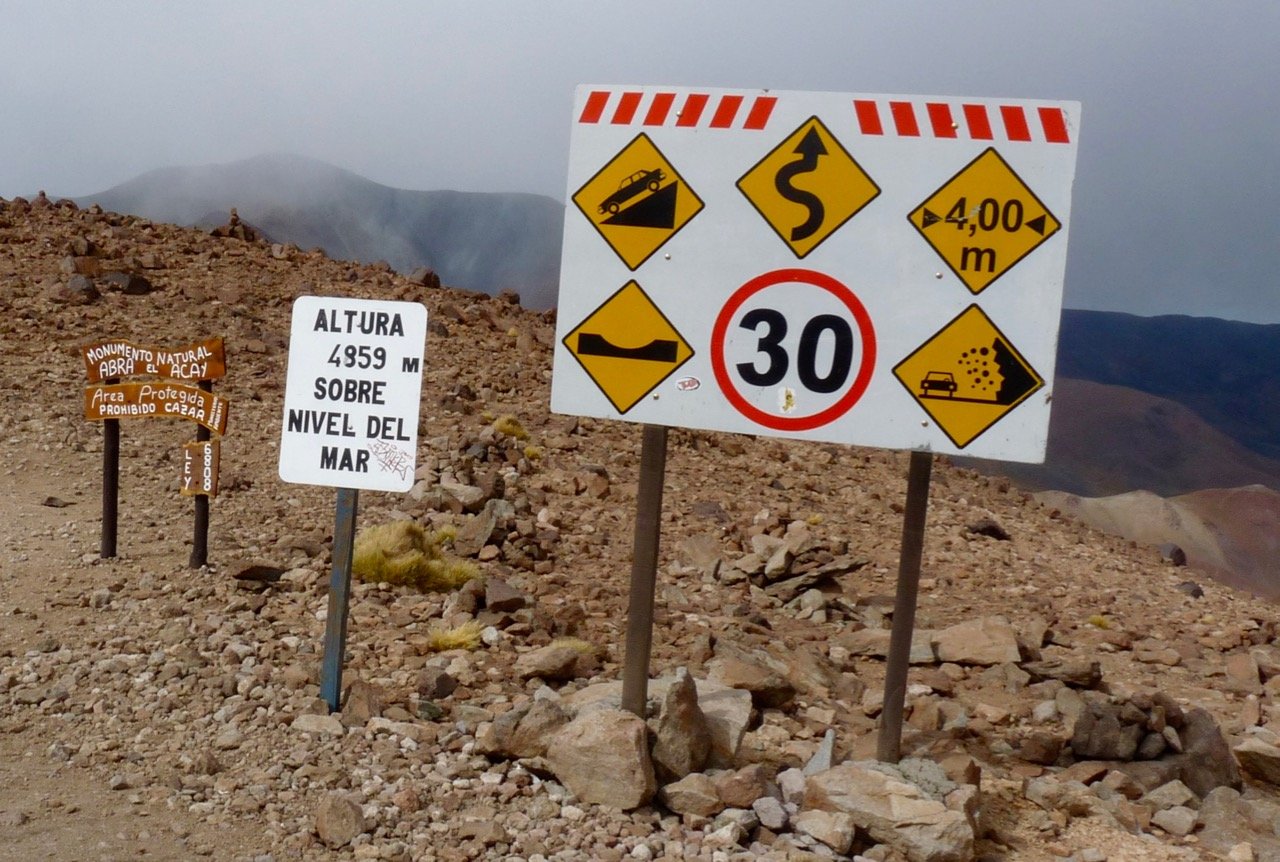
x: 644, y: 568
x: 889, y: 743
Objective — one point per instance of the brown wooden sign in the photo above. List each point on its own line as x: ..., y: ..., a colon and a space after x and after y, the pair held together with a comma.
x: 200, y: 461
x: 156, y: 400
x: 205, y: 360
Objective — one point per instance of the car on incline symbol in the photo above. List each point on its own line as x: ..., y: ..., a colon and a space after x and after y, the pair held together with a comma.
x: 938, y: 381
x: 632, y: 186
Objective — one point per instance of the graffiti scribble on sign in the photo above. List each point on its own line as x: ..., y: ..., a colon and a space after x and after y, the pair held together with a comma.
x: 392, y: 459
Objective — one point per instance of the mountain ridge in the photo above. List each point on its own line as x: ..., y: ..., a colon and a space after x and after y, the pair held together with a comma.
x: 483, y: 241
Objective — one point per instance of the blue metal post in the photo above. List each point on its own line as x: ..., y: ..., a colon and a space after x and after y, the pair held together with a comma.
x: 335, y: 632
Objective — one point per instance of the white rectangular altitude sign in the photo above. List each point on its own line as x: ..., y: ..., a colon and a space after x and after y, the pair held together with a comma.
x: 352, y: 393
x: 865, y: 269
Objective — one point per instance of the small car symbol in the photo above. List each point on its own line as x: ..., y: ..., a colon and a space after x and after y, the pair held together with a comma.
x: 632, y: 186
x: 938, y: 381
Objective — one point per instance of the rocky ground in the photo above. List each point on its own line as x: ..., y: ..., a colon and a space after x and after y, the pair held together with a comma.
x: 1071, y: 695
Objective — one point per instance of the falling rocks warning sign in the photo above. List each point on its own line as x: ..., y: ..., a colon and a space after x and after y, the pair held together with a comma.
x: 967, y: 376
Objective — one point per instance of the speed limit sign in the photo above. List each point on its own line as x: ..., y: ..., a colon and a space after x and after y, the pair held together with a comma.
x: 870, y: 269
x: 793, y: 349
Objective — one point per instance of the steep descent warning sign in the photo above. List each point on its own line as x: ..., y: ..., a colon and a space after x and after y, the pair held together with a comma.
x: 637, y: 201
x: 627, y: 346
x: 807, y: 187
x: 984, y: 220
x: 967, y: 376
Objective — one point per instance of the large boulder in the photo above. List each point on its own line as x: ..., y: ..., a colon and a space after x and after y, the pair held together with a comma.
x: 682, y: 738
x: 1259, y: 759
x: 727, y: 710
x: 892, y: 810
x: 525, y: 731
x: 985, y: 641
x: 1101, y: 733
x: 1206, y: 761
x: 602, y: 756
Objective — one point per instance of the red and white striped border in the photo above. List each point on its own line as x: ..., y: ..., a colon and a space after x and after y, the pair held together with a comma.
x: 697, y: 110
x: 943, y: 120
x: 876, y: 117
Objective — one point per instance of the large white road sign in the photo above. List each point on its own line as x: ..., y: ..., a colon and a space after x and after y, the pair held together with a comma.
x: 865, y: 269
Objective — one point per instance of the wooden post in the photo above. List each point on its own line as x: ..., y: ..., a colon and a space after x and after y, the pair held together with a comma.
x: 110, y: 482
x: 200, y: 534
x: 889, y: 744
x: 644, y: 569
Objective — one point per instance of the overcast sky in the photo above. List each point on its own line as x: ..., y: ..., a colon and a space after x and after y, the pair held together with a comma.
x: 1177, y: 196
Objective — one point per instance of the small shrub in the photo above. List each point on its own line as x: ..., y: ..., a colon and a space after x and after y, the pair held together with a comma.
x: 465, y: 636
x: 578, y: 645
x: 1098, y: 621
x: 405, y: 554
x: 510, y: 426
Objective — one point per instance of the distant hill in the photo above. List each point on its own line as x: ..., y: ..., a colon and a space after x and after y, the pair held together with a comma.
x: 477, y: 241
x: 1226, y: 371
x: 1106, y: 440
x: 1168, y: 404
x: 1234, y: 533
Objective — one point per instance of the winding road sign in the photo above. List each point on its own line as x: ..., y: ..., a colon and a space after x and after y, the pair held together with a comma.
x: 807, y: 187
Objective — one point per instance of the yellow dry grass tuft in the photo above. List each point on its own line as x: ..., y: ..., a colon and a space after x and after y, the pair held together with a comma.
x: 578, y: 645
x: 510, y: 426
x: 404, y: 553
x: 465, y: 636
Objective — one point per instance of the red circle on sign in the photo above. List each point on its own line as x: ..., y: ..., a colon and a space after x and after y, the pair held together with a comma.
x: 860, y: 380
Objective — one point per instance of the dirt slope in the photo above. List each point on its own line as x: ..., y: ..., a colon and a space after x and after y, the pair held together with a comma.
x: 1231, y: 533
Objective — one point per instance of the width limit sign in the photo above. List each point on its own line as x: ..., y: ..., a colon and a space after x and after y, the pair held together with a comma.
x: 352, y: 393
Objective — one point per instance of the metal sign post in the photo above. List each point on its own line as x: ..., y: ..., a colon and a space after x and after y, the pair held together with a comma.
x: 889, y: 744
x: 200, y: 531
x: 644, y: 568
x: 335, y: 630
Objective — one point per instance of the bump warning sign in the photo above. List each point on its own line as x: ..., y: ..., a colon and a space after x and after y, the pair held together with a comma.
x: 637, y: 201
x: 627, y: 347
x: 967, y: 376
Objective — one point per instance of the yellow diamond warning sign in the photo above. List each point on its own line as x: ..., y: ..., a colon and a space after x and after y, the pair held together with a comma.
x: 807, y: 187
x: 637, y: 201
x: 627, y: 346
x: 967, y: 376
x: 983, y: 221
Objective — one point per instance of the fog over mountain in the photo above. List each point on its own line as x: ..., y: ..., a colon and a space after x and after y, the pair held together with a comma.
x: 478, y: 241
x: 1164, y: 404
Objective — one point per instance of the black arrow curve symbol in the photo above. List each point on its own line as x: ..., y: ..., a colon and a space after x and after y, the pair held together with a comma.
x: 809, y: 149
